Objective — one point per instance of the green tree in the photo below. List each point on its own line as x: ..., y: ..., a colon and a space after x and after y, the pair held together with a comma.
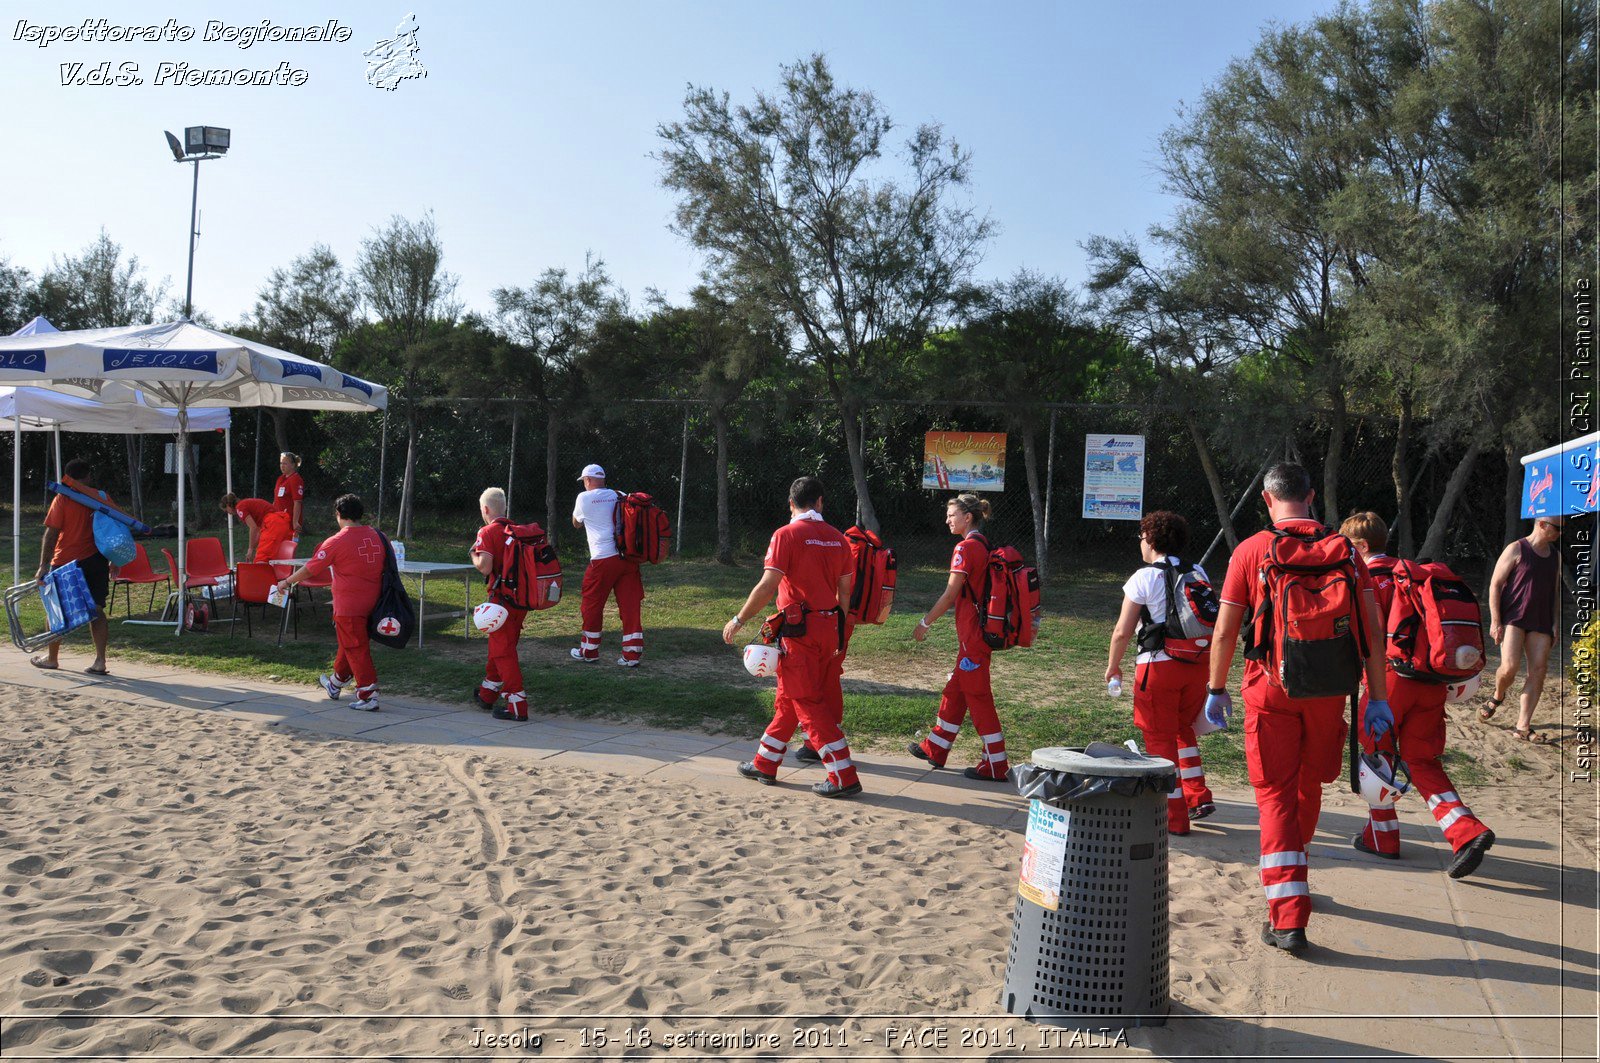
x: 553, y: 324
x: 783, y: 197
x: 401, y: 278
x: 16, y: 297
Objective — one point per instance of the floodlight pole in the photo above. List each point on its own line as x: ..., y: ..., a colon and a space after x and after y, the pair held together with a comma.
x: 194, y: 209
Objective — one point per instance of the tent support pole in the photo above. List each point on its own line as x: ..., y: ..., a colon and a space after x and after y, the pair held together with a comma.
x: 16, y: 499
x: 227, y: 464
x: 56, y: 431
x: 183, y: 464
x: 383, y: 454
x: 255, y: 468
x: 511, y: 466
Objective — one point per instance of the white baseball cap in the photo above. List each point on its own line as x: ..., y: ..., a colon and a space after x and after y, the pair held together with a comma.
x: 593, y: 471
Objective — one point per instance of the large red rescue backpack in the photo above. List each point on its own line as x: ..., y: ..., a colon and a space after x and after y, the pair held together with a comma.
x: 527, y: 573
x: 643, y: 531
x: 1192, y: 607
x: 1307, y: 629
x: 1008, y: 602
x: 872, y: 596
x: 1435, y: 625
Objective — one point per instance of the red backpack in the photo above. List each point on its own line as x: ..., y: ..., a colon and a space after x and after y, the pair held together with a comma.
x: 527, y: 574
x: 872, y: 596
x: 643, y: 531
x: 1435, y: 625
x: 1192, y: 609
x: 1308, y: 630
x: 1009, y: 601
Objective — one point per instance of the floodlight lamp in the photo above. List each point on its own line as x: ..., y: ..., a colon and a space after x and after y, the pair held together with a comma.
x: 177, y: 147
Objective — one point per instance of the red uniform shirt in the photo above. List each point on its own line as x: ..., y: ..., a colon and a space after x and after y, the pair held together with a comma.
x: 253, y: 509
x: 1381, y: 568
x: 356, y: 556
x: 290, y: 489
x: 491, y: 540
x: 971, y: 557
x: 813, y: 556
x: 1242, y: 587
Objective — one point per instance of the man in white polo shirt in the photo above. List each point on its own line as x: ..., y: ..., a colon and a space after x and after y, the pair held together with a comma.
x: 608, y: 571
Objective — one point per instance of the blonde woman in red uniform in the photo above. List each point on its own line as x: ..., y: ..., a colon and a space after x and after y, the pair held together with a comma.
x: 968, y: 690
x: 289, y: 494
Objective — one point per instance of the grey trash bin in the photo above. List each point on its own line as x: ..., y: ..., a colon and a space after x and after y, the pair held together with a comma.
x: 1101, y: 951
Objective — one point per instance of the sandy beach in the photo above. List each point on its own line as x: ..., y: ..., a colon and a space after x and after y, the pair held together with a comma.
x: 208, y: 868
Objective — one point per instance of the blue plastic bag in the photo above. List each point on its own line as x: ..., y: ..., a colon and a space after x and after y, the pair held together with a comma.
x: 67, y: 602
x: 114, y: 539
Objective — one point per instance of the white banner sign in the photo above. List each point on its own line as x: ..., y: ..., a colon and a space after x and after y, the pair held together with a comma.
x: 1113, y: 477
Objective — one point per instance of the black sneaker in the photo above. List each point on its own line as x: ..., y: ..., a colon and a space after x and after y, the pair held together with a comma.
x: 974, y: 773
x: 477, y: 696
x: 1466, y: 861
x: 504, y: 713
x: 807, y: 755
x: 916, y: 750
x: 1205, y: 811
x: 749, y: 770
x: 829, y: 788
x: 1292, y: 941
x: 1360, y: 842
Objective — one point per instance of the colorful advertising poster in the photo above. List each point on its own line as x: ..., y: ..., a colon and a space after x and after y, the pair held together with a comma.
x: 964, y: 461
x: 1562, y: 481
x: 1113, y: 477
x: 1044, y: 854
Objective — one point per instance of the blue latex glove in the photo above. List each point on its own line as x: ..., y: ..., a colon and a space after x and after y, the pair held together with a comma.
x: 1378, y: 720
x: 1219, y: 708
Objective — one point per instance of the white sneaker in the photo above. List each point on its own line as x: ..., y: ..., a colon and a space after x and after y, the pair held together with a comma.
x: 625, y: 663
x: 330, y: 687
x: 365, y: 704
x: 577, y: 655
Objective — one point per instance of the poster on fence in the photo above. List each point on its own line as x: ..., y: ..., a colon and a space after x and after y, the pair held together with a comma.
x: 1113, y: 477
x: 964, y: 461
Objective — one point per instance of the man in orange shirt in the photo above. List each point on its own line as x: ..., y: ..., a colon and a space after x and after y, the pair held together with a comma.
x: 69, y: 536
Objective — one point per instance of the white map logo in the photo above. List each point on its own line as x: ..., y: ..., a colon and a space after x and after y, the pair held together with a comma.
x: 392, y: 61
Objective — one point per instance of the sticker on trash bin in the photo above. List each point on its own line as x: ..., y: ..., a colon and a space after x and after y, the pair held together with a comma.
x: 1044, y: 854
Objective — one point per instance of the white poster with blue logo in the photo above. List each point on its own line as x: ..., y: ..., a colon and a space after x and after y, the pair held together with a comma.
x: 1562, y: 481
x: 1113, y: 477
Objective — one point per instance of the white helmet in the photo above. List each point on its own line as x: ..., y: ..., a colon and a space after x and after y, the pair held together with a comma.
x: 1463, y: 690
x: 761, y: 660
x: 489, y: 617
x: 1381, y: 775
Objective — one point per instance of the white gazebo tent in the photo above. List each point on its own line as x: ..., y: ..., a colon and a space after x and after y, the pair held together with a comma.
x: 184, y: 366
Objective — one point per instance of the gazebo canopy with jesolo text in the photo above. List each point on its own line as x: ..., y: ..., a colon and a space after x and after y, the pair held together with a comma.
x: 1562, y: 480
x: 185, y: 366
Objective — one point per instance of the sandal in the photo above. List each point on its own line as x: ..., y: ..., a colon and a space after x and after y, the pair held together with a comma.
x: 43, y: 664
x: 1487, y: 714
x: 1530, y: 735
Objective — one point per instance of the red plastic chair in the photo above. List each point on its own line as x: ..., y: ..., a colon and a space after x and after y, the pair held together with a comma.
x: 251, y: 585
x: 140, y: 571
x: 207, y: 561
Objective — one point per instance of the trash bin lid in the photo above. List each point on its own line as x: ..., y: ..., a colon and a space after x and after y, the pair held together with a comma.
x: 1101, y: 758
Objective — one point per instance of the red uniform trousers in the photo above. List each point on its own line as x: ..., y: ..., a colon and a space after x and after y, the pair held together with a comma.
x: 1419, y: 736
x: 503, y: 674
x: 1167, y: 696
x: 1291, y: 747
x: 967, y: 692
x: 355, y: 656
x: 808, y: 679
x: 600, y: 579
x: 277, y: 527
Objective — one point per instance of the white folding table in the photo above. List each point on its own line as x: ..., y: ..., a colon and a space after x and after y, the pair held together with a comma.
x: 422, y: 570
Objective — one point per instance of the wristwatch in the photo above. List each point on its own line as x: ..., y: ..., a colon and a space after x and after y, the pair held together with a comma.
x: 1216, y: 690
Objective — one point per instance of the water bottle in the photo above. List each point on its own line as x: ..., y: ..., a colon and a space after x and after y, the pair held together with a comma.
x: 1114, y: 688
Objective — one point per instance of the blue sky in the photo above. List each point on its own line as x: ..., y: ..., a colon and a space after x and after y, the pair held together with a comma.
x: 530, y: 139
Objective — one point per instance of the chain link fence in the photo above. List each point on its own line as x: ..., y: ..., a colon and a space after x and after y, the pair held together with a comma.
x: 668, y: 448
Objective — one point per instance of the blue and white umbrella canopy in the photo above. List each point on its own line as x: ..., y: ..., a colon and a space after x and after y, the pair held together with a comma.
x: 182, y: 365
